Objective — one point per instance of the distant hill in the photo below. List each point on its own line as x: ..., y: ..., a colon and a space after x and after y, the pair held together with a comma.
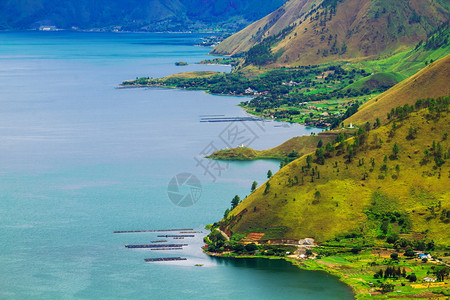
x: 304, y: 32
x: 148, y: 15
x: 391, y: 180
x: 432, y: 81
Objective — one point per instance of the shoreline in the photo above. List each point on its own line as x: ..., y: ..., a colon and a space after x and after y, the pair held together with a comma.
x: 296, y: 263
x: 360, y: 288
x: 248, y: 112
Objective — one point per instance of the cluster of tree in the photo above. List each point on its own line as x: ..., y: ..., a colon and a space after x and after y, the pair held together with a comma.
x: 218, y: 244
x: 434, y: 106
x: 440, y: 38
x: 349, y: 112
x: 276, y: 250
x: 261, y: 53
x: 437, y: 153
x: 442, y: 273
x: 390, y: 272
x: 385, y: 219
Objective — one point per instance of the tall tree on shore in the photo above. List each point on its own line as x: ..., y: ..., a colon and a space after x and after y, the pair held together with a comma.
x: 254, y: 185
x: 235, y: 201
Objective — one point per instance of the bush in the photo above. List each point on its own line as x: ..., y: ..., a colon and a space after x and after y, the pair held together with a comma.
x: 392, y: 238
x: 251, y: 247
x: 238, y: 248
x: 387, y: 287
x: 412, y: 277
x: 394, y: 256
x: 410, y: 252
x: 356, y: 249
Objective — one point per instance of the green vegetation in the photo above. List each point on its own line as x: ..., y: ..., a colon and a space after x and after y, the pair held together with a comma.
x: 233, y: 61
x: 313, y: 95
x: 370, y: 177
x: 374, y: 274
x: 408, y: 62
x: 288, y: 151
x: 429, y: 82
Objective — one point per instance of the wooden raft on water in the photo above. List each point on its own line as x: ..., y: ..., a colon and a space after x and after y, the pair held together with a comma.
x: 157, y: 246
x: 158, y: 230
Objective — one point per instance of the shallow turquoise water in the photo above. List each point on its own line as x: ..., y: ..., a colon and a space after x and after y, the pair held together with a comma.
x: 80, y: 159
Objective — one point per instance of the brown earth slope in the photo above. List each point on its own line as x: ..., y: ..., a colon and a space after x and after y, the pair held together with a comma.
x: 326, y: 31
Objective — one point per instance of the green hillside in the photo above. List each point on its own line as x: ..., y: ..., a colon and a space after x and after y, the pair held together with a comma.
x: 331, y: 193
x: 432, y: 81
x: 409, y: 62
x: 377, y: 81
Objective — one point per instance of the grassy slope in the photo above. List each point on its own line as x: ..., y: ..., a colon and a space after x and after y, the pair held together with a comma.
x: 344, y: 195
x: 407, y: 63
x: 301, y: 144
x: 367, y: 28
x: 377, y: 80
x: 432, y: 82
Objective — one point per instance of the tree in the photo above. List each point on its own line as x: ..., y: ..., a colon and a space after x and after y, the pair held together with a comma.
x: 235, y: 201
x: 395, y: 150
x: 409, y: 252
x: 412, y: 133
x: 251, y: 247
x: 378, y: 274
x: 317, y: 195
x: 266, y: 190
x: 394, y: 256
x: 412, y: 277
x: 377, y: 122
x: 319, y: 144
x: 254, y: 185
x: 356, y: 249
x: 442, y: 273
x: 387, y: 287
x: 238, y: 247
x: 320, y: 158
x: 269, y: 174
x: 392, y: 238
x: 309, y: 160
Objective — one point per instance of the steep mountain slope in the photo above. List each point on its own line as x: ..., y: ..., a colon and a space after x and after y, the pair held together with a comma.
x: 270, y: 25
x: 325, y: 31
x: 360, y: 185
x: 410, y: 61
x: 149, y: 15
x: 432, y: 81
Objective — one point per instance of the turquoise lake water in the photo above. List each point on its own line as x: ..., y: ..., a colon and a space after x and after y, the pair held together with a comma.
x: 80, y: 159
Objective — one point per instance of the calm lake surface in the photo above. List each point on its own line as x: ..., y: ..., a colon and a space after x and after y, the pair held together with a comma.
x: 80, y: 159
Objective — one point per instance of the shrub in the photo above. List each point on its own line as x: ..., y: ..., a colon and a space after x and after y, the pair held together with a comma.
x: 251, y: 247
x: 412, y: 277
x: 394, y: 256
